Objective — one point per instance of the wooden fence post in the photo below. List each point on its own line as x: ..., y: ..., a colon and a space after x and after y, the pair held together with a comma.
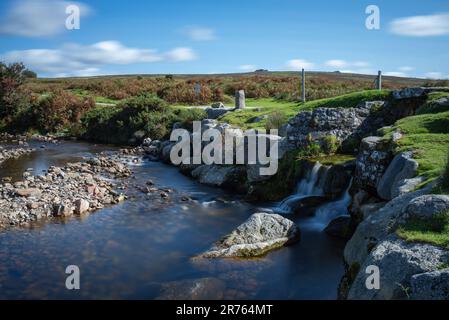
x: 303, y: 86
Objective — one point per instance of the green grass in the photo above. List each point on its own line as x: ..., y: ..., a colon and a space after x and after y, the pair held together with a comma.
x: 428, y: 137
x: 438, y: 95
x: 262, y: 107
x: 290, y: 109
x: 350, y: 100
x: 98, y: 99
x: 332, y: 160
x: 431, y: 107
x: 258, y: 108
x: 434, y: 231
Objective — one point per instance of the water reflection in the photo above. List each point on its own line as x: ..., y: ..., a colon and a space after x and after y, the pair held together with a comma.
x: 136, y: 249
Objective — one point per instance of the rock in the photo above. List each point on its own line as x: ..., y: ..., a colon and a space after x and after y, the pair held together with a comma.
x: 397, y: 261
x: 426, y: 207
x: 337, y: 181
x: 81, y: 206
x: 371, y: 163
x: 59, y: 191
x: 430, y: 286
x: 260, y: 234
x: 217, y: 105
x: 166, y: 150
x: 120, y: 198
x: 32, y: 205
x: 368, y: 209
x: 340, y: 227
x: 283, y: 131
x: 408, y: 93
x: 406, y: 185
x: 164, y: 195
x: 392, y: 182
x: 378, y: 226
x: 240, y: 99
x: 30, y: 192
x: 306, y: 206
x: 62, y: 210
x: 342, y: 123
x: 396, y: 136
x: 213, y: 113
x: 258, y: 119
x: 220, y: 175
x: 15, y: 153
x: 146, y: 142
x: 94, y: 161
x: 193, y: 289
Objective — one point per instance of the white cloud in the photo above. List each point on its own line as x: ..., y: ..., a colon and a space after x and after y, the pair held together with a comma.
x: 76, y: 59
x: 38, y: 18
x: 88, y: 72
x: 421, y: 26
x: 200, y: 33
x: 359, y: 71
x: 336, y: 63
x: 406, y: 69
x: 248, y: 67
x: 395, y: 74
x: 339, y: 64
x: 360, y: 64
x: 434, y: 75
x: 298, y: 64
x: 180, y: 54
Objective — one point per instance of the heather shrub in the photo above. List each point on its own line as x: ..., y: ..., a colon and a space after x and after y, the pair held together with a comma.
x: 59, y: 110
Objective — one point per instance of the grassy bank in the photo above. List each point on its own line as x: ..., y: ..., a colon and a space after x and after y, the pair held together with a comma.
x: 433, y: 231
x: 427, y: 136
x: 267, y: 109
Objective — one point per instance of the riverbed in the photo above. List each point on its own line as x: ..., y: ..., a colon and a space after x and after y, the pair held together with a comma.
x: 143, y: 249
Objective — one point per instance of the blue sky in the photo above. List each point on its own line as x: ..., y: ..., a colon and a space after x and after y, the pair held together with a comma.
x: 199, y: 36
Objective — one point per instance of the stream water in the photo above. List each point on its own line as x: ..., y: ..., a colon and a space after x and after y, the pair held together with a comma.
x: 136, y: 249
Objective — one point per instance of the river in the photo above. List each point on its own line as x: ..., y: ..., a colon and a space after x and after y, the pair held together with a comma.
x: 138, y: 249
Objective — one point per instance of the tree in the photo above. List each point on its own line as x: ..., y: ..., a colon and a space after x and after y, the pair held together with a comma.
x: 29, y: 74
x: 12, y: 96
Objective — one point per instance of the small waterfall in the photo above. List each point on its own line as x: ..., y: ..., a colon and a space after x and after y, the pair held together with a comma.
x: 329, y: 211
x: 311, y: 185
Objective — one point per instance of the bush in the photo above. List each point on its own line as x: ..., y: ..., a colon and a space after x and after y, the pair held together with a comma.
x: 29, y: 74
x: 144, y: 103
x: 117, y: 125
x: 187, y: 116
x: 275, y: 121
x: 330, y: 144
x: 59, y: 111
x: 311, y: 150
x: 13, y: 97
